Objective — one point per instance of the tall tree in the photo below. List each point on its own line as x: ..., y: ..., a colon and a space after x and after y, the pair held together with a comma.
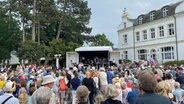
x: 9, y: 34
x: 101, y: 40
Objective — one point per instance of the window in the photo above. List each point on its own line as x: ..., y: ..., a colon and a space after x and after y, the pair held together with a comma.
x: 152, y: 15
x: 124, y: 38
x: 152, y: 31
x: 142, y: 54
x: 171, y: 29
x: 144, y: 35
x: 153, y: 53
x: 161, y: 31
x: 125, y: 25
x: 165, y: 12
x: 167, y: 53
x: 137, y: 37
x: 140, y: 19
x: 125, y: 54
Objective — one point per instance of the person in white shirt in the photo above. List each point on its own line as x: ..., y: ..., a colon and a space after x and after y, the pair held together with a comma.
x: 103, y: 80
x: 7, y: 97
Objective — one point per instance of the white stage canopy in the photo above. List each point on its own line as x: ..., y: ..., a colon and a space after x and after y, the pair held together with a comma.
x: 94, y: 48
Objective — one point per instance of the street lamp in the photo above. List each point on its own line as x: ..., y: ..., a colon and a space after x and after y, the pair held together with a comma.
x: 57, y: 56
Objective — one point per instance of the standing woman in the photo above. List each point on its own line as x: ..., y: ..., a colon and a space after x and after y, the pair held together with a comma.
x: 94, y: 75
x: 90, y: 84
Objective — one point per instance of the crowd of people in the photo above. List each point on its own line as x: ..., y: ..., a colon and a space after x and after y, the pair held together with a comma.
x: 136, y: 83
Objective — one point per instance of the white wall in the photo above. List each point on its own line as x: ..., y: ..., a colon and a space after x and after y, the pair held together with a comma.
x: 74, y: 56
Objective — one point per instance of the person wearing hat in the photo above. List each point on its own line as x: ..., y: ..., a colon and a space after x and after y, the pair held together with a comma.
x: 2, y: 83
x: 103, y: 79
x: 7, y: 97
x: 48, y: 81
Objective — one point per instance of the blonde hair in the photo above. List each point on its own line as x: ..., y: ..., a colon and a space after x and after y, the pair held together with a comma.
x: 23, y: 97
x: 163, y: 88
x: 111, y: 91
x: 99, y: 98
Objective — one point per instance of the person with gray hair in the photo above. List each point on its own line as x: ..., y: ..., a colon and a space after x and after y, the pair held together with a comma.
x: 178, y: 92
x: 48, y: 81
x: 147, y: 85
x: 111, y: 93
x: 42, y: 96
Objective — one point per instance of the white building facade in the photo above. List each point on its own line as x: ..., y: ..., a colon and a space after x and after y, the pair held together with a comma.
x: 158, y: 34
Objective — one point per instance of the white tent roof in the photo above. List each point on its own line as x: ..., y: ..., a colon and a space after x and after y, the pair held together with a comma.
x: 94, y: 48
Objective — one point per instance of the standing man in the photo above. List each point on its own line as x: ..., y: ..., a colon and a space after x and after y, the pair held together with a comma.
x: 48, y: 81
x: 7, y: 97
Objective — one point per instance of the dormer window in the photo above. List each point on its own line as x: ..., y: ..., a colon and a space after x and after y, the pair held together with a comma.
x: 140, y: 19
x: 152, y: 16
x: 165, y: 12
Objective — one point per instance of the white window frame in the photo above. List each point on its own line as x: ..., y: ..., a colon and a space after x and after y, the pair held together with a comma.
x: 125, y: 38
x: 152, y: 32
x: 167, y: 53
x: 165, y: 12
x: 137, y: 36
x: 171, y: 29
x: 145, y: 36
x: 161, y: 31
x: 152, y: 15
x: 142, y: 54
x: 140, y: 19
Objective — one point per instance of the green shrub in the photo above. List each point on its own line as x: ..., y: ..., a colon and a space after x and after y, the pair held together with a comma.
x: 178, y: 63
x: 127, y: 61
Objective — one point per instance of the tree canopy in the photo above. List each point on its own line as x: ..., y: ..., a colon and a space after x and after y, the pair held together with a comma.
x: 47, y: 27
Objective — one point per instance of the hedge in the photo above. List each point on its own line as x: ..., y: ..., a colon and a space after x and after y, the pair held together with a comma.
x: 178, y: 63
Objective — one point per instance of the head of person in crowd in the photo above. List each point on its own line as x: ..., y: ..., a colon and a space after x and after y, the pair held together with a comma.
x: 63, y: 73
x: 82, y: 94
x: 9, y: 87
x: 88, y: 74
x: 168, y: 76
x: 177, y: 85
x: 147, y: 82
x: 2, y: 82
x: 99, y: 98
x: 135, y: 85
x: 111, y: 91
x: 48, y: 81
x: 180, y: 70
x: 102, y: 69
x: 93, y: 73
x: 42, y: 95
x: 75, y: 73
x: 31, y: 90
x: 163, y: 88
x: 23, y: 83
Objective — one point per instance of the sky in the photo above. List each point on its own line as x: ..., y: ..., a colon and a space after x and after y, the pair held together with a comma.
x: 106, y: 14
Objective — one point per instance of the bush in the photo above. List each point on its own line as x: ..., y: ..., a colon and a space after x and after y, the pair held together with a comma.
x: 127, y: 61
x: 178, y: 63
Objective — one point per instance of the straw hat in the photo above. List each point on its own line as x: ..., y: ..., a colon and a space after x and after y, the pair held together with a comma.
x: 102, y: 69
x: 9, y: 87
x: 47, y: 79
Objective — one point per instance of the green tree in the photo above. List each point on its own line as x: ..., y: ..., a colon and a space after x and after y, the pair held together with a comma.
x: 9, y: 34
x: 100, y: 40
x: 58, y: 47
x: 31, y: 51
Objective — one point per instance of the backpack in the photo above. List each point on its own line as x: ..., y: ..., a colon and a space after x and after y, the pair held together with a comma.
x: 62, y: 85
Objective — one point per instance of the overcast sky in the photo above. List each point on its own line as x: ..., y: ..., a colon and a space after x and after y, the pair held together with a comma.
x: 106, y: 14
